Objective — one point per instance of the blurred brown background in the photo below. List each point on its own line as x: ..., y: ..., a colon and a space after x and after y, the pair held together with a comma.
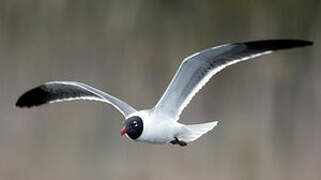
x: 269, y: 110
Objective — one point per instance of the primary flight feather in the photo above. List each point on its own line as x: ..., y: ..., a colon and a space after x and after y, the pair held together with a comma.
x: 159, y: 124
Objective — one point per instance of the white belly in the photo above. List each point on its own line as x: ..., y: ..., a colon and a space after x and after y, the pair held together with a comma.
x: 162, y: 132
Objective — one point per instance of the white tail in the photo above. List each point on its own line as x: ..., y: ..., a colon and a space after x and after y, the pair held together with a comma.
x: 193, y: 131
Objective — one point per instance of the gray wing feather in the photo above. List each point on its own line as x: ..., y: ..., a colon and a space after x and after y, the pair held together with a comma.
x: 197, y: 69
x: 59, y: 91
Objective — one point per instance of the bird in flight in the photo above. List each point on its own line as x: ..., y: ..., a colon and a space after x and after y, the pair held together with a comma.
x: 159, y: 124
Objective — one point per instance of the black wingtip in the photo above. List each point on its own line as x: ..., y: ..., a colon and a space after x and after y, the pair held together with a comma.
x: 21, y: 102
x: 278, y: 44
x: 33, y: 97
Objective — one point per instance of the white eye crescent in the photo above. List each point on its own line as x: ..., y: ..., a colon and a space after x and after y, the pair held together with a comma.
x: 134, y: 123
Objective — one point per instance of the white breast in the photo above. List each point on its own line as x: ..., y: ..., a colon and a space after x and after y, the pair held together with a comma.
x: 156, y: 129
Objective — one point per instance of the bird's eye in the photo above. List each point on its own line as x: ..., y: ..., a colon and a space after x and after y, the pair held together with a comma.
x: 134, y: 123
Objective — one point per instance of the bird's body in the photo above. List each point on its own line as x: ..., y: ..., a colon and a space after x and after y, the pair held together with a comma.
x: 159, y: 130
x: 156, y: 131
x: 159, y: 124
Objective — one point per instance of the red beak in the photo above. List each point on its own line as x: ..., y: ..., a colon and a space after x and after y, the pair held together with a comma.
x: 123, y: 131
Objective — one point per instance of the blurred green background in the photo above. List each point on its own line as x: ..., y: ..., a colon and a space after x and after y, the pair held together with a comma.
x: 269, y: 110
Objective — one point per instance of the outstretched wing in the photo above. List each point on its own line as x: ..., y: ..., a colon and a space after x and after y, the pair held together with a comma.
x: 58, y: 91
x: 198, y: 68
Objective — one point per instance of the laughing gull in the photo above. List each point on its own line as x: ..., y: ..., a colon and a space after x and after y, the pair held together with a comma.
x: 159, y: 124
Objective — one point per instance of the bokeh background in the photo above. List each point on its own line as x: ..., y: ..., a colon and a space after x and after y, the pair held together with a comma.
x: 269, y: 110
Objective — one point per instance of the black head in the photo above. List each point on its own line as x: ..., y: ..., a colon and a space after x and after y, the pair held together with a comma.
x: 133, y: 127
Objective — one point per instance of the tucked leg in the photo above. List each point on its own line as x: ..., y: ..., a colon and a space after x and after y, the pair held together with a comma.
x: 176, y: 141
